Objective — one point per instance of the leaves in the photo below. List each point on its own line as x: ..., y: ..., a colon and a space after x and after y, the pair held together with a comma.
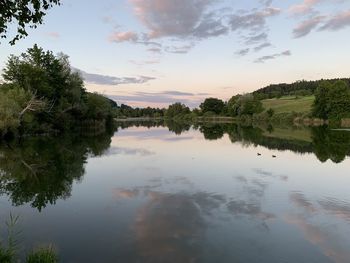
x: 22, y: 13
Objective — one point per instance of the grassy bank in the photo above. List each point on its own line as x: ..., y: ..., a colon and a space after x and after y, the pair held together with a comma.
x: 290, y: 104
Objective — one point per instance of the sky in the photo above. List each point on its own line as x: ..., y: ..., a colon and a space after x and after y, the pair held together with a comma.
x: 157, y: 52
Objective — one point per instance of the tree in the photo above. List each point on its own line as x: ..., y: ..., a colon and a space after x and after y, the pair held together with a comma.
x: 24, y: 13
x: 177, y: 109
x: 212, y: 104
x: 98, y: 107
x: 247, y: 105
x: 16, y: 106
x: 231, y: 105
x: 332, y: 100
x: 41, y: 93
x: 320, y: 106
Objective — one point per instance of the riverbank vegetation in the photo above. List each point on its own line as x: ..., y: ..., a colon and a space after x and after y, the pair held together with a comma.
x: 42, y: 94
x: 9, y: 252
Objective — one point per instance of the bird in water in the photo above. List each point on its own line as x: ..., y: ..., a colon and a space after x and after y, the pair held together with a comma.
x: 274, y: 156
x: 259, y: 154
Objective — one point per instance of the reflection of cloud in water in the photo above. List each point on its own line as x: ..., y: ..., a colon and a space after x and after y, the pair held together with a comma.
x: 263, y: 173
x: 330, y: 243
x: 254, y: 188
x: 340, y: 209
x: 241, y: 179
x: 125, y: 193
x: 128, y: 151
x: 300, y: 201
x: 253, y: 209
x: 170, y: 227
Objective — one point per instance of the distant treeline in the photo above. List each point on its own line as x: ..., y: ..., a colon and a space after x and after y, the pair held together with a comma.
x: 127, y: 111
x: 298, y: 88
x: 42, y: 94
x: 331, y: 102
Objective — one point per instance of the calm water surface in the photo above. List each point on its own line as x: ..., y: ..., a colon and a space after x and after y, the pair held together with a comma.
x: 187, y: 195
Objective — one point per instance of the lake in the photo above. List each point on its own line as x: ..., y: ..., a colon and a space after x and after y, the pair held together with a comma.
x: 150, y: 192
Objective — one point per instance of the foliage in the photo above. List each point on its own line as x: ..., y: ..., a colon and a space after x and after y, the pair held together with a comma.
x: 98, y: 107
x: 332, y: 100
x: 8, y: 253
x: 270, y: 112
x: 43, y: 255
x: 177, y: 109
x: 213, y: 105
x: 246, y: 105
x: 130, y: 112
x: 298, y: 88
x: 43, y: 94
x: 23, y: 13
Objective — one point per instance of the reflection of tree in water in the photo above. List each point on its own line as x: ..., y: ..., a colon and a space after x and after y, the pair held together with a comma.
x: 178, y: 127
x: 212, y: 131
x: 326, y: 143
x: 140, y: 123
x: 331, y: 144
x: 41, y: 170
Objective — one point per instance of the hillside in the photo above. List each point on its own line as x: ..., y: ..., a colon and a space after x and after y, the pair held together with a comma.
x: 289, y: 104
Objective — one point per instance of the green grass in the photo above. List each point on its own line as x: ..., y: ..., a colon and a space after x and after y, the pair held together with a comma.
x: 44, y: 255
x: 289, y: 104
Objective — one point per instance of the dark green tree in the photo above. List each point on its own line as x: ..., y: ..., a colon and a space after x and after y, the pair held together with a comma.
x: 212, y: 105
x: 248, y: 105
x: 23, y: 13
x: 332, y: 100
x: 177, y: 109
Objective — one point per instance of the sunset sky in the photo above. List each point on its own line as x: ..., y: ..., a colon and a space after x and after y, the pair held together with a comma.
x: 156, y: 52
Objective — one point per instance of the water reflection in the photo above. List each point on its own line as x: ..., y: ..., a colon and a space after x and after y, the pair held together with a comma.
x: 41, y: 170
x: 330, y: 238
x: 325, y: 143
x: 154, y: 196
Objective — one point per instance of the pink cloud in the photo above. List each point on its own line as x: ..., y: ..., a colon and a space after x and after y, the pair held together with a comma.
x: 338, y: 21
x: 304, y: 7
x: 127, y: 36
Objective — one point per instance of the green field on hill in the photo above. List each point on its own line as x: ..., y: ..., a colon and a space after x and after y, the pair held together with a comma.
x: 289, y: 104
